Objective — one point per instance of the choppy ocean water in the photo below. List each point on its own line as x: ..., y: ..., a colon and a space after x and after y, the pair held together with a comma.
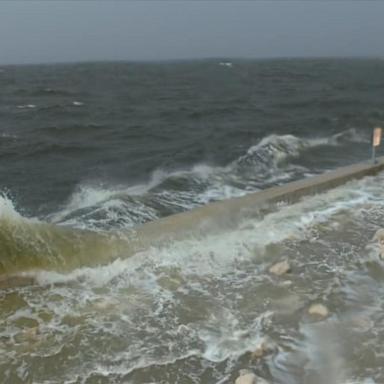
x: 104, y: 147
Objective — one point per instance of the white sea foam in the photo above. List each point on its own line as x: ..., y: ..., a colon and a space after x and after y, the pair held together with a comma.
x: 5, y: 135
x: 349, y: 135
x: 226, y: 64
x: 133, y: 303
x: 27, y: 106
x: 224, y: 337
x: 123, y: 205
x: 217, y: 253
x: 7, y: 209
x: 279, y: 147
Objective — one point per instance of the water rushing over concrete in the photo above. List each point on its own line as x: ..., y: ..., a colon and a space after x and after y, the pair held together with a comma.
x: 32, y: 245
x: 194, y: 309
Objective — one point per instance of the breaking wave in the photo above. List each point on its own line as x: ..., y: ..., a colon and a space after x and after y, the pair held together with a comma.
x: 30, y: 244
x: 99, y: 206
x: 95, y: 224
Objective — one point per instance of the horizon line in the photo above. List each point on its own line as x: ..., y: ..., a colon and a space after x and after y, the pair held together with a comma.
x: 189, y: 59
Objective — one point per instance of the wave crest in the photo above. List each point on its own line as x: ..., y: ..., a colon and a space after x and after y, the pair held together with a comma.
x: 29, y: 244
x: 167, y: 192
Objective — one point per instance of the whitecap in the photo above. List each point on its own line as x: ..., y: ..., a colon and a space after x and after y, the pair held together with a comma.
x: 264, y: 164
x: 27, y: 106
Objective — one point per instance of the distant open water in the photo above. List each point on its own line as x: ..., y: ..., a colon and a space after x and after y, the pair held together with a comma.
x: 115, y: 144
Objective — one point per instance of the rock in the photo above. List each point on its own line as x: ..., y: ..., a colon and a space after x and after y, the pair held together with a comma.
x: 261, y: 350
x: 243, y: 372
x: 379, y: 237
x: 248, y: 378
x: 280, y: 268
x: 102, y: 304
x: 318, y: 310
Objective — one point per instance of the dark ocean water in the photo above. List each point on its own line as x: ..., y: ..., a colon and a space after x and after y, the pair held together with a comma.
x: 106, y: 146
x: 92, y: 131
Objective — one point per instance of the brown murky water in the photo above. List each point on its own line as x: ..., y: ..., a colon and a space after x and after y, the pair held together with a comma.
x: 195, y: 311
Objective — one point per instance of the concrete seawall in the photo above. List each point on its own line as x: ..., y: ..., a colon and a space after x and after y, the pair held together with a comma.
x: 226, y: 213
x: 51, y: 247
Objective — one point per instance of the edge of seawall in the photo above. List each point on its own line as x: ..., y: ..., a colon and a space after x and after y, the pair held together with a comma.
x: 226, y: 213
x: 74, y: 248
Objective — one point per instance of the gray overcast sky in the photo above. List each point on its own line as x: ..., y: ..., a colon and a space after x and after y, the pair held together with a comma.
x: 61, y: 31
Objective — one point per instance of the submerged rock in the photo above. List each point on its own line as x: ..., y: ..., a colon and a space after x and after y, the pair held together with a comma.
x: 318, y: 310
x: 29, y: 335
x: 102, y: 304
x: 286, y: 283
x: 361, y: 322
x: 261, y: 350
x: 280, y: 268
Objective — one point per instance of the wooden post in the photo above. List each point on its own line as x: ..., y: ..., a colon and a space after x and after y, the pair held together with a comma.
x: 376, y: 141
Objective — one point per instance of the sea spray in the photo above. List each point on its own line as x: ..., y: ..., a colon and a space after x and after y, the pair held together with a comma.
x: 29, y: 244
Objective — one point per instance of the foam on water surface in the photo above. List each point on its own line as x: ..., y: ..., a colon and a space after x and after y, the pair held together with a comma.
x: 194, y: 305
x: 153, y: 139
x: 98, y: 205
